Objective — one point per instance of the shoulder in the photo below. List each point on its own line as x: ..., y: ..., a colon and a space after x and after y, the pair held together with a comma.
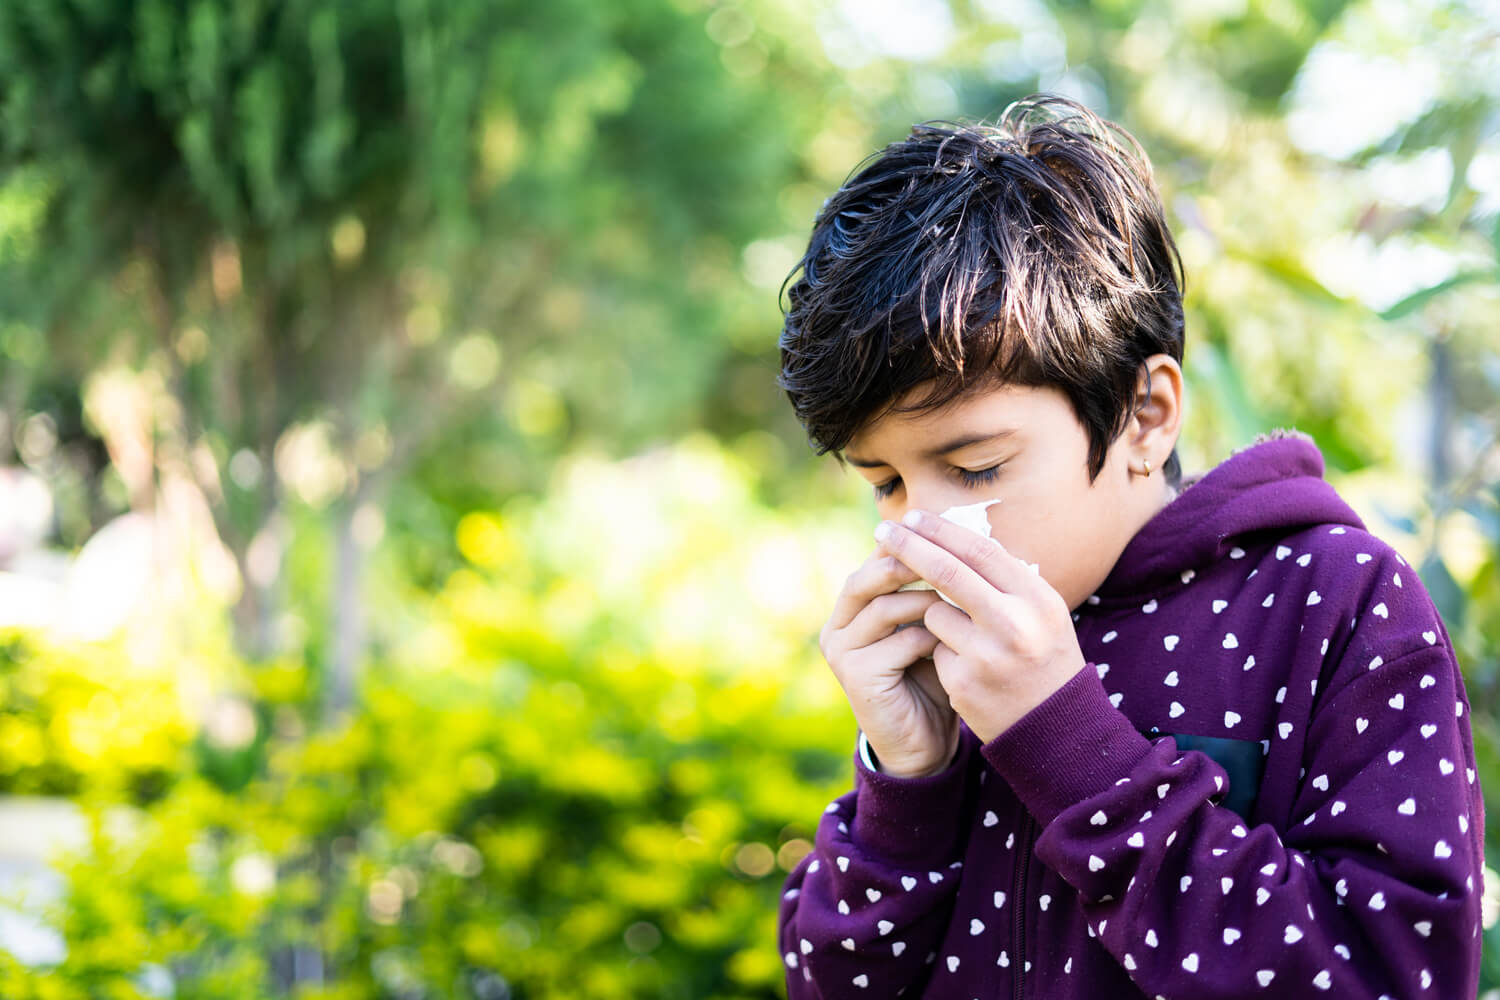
x: 1365, y: 599
x: 1356, y: 572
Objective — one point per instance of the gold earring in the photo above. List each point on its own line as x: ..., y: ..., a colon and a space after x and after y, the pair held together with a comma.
x: 1147, y: 463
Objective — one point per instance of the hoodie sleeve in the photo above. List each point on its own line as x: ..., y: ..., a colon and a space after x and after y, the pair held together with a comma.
x: 865, y: 910
x: 1372, y: 889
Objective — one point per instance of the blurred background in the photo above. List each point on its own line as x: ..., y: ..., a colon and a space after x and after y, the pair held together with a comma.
x: 409, y: 572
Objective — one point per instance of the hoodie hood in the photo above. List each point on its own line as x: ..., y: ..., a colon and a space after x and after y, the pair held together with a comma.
x: 1275, y: 486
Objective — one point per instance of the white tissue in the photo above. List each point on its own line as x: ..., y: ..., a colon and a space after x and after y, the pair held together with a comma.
x: 971, y: 516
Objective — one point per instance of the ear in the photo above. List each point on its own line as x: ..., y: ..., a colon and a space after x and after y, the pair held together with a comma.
x: 1157, y: 420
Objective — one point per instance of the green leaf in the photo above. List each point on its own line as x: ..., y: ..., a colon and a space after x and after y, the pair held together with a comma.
x: 1417, y: 300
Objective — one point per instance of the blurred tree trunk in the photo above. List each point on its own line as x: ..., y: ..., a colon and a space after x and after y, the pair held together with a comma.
x: 347, y: 633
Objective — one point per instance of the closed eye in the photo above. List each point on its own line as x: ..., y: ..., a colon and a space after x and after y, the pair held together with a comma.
x: 979, y: 477
x: 971, y: 478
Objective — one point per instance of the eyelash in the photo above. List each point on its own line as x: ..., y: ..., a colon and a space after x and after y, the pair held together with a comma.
x: 970, y: 478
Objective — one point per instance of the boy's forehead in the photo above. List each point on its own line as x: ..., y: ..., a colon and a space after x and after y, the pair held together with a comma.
x: 986, y: 411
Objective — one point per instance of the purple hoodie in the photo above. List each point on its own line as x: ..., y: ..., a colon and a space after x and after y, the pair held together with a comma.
x: 1262, y: 785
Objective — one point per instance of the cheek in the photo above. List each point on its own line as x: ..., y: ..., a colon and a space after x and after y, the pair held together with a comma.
x: 1068, y: 533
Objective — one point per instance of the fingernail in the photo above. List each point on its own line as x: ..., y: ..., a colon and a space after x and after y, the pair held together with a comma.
x: 882, y: 531
x: 912, y: 518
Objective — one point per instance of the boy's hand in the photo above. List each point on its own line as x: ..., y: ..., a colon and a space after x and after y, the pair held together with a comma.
x: 886, y: 671
x: 1012, y: 646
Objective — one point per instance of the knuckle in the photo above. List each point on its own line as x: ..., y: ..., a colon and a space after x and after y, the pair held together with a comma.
x: 915, y: 635
x: 945, y: 578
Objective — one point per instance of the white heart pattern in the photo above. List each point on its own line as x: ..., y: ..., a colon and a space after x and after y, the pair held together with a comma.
x: 1170, y: 642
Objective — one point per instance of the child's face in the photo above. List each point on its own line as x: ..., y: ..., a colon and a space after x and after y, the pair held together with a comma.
x: 1025, y: 447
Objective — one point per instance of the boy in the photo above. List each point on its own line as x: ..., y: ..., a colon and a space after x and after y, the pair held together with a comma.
x: 1194, y: 740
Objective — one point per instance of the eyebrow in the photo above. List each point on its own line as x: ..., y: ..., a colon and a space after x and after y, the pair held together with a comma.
x: 942, y: 449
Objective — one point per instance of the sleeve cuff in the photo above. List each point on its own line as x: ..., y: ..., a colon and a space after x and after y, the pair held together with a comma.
x: 911, y: 821
x: 1069, y: 748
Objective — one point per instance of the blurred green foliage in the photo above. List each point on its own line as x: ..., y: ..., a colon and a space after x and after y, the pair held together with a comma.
x: 440, y: 338
x: 543, y: 794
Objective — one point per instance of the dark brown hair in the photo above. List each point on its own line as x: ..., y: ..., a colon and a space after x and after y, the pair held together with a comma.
x: 1034, y: 251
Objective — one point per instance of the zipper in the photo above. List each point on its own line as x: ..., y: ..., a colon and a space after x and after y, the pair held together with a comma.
x: 1022, y: 903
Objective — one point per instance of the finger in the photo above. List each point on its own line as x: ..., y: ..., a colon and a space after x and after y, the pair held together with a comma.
x: 888, y: 658
x: 879, y: 574
x: 953, y: 627
x: 938, y: 566
x: 986, y: 556
x: 886, y: 613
